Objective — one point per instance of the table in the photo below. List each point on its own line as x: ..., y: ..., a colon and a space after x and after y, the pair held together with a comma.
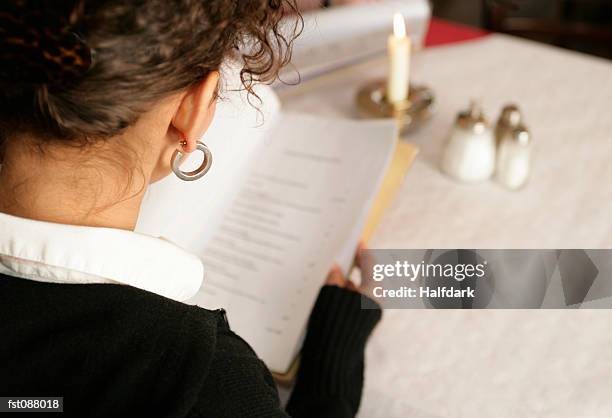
x: 494, y: 363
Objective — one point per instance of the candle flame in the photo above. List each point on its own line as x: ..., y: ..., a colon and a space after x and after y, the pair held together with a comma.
x: 399, y: 26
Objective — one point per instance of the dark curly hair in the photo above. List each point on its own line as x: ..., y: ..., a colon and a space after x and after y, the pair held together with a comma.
x: 79, y: 71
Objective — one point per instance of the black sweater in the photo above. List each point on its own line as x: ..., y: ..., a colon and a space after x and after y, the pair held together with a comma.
x: 114, y: 350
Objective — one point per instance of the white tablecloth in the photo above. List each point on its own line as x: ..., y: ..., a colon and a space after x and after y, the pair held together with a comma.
x: 495, y: 363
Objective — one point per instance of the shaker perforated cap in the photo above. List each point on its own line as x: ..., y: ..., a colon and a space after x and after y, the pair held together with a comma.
x: 510, y: 116
x: 521, y: 135
x: 473, y: 118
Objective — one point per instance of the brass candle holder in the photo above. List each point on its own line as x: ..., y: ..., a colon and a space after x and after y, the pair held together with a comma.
x: 410, y: 114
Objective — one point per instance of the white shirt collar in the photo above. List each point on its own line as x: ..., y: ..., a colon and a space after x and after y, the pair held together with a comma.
x: 58, y: 253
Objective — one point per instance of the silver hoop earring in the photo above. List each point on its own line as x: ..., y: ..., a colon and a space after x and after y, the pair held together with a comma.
x: 198, y: 172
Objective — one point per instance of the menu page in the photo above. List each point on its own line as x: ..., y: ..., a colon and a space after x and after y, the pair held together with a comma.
x: 299, y: 207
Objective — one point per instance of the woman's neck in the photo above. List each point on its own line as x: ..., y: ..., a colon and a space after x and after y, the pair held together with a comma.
x: 64, y: 184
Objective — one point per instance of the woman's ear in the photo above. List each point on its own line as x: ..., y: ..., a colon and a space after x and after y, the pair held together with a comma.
x: 196, y: 111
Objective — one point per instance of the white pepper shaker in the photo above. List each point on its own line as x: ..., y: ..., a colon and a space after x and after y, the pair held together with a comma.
x: 469, y: 154
x: 513, y: 148
x: 514, y: 158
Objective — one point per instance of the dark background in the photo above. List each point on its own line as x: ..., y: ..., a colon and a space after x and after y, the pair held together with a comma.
x: 581, y: 25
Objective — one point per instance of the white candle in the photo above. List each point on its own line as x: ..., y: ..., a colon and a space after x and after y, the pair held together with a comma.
x: 399, y: 46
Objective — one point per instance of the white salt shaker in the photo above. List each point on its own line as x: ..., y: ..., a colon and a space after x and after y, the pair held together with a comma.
x: 513, y: 149
x: 469, y: 154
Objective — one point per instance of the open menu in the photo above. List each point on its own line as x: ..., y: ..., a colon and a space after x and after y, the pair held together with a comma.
x: 283, y: 201
x: 343, y: 35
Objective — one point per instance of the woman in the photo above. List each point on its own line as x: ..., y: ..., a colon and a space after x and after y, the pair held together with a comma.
x: 96, y: 100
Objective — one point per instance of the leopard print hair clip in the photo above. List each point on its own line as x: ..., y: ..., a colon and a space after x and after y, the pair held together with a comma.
x: 38, y: 43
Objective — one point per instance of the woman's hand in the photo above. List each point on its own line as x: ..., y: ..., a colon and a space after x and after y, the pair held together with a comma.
x: 362, y: 261
x: 330, y: 378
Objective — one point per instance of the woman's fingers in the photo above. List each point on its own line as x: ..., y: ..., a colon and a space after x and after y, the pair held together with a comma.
x: 361, y: 247
x: 336, y: 277
x: 365, y: 261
